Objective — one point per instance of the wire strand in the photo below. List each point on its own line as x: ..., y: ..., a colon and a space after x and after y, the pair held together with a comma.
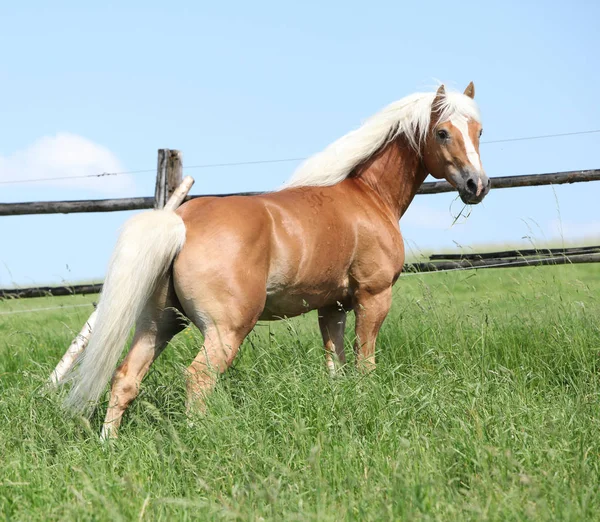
x: 542, y: 136
x: 237, y: 163
x: 258, y: 162
x: 267, y: 161
x: 101, y: 175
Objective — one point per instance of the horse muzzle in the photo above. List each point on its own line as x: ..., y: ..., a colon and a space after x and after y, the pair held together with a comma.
x: 472, y: 186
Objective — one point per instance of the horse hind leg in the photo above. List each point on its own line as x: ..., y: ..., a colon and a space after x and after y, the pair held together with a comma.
x: 225, y: 322
x: 221, y: 345
x: 332, y: 323
x: 224, y: 298
x: 155, y: 328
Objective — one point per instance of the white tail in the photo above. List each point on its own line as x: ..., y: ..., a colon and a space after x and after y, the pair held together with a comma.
x: 145, y: 250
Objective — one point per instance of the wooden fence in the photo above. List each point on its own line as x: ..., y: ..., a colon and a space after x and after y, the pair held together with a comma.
x: 169, y: 176
x: 436, y: 263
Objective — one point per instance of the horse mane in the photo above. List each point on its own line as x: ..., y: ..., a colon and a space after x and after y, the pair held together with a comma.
x: 409, y: 117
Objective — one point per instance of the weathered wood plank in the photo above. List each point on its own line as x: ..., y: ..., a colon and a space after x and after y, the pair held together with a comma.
x: 437, y: 187
x: 174, y: 173
x: 177, y: 197
x: 501, y: 263
x: 73, y: 207
x: 518, y: 253
x: 160, y: 190
x: 47, y: 291
x: 169, y: 174
x: 75, y: 348
x: 529, y: 180
x: 408, y: 268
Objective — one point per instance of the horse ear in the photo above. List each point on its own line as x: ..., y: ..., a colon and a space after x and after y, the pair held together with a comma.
x: 441, y: 93
x: 470, y: 91
x: 438, y: 102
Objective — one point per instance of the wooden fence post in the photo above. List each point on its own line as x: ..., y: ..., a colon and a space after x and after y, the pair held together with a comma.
x: 169, y: 174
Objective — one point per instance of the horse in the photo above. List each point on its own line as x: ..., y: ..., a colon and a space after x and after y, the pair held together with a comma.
x: 328, y: 240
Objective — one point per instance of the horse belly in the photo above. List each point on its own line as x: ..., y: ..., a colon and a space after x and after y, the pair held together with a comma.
x: 290, y: 301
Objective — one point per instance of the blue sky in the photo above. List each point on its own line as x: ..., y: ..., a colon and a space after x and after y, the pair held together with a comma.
x: 93, y: 87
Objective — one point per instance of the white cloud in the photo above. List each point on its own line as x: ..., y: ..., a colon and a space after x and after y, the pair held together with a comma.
x: 67, y: 156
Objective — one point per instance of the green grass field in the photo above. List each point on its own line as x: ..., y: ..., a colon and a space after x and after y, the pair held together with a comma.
x: 484, y: 406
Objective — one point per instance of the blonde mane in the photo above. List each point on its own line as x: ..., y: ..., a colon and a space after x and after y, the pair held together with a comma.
x: 408, y: 117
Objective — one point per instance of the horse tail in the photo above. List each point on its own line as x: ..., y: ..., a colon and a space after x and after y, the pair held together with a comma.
x: 145, y: 251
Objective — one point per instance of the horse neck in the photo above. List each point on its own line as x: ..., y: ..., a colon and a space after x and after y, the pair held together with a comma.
x: 395, y: 174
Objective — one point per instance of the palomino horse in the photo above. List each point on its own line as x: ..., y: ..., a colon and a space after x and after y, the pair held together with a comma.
x: 329, y: 240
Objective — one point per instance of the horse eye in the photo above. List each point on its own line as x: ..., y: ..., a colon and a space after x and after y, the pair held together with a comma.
x: 442, y: 134
x: 480, y: 133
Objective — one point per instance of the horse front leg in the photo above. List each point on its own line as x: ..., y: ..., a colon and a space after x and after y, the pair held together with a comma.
x: 332, y: 323
x: 370, y: 310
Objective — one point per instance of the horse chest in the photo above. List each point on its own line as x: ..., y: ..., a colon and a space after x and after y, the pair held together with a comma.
x: 379, y: 257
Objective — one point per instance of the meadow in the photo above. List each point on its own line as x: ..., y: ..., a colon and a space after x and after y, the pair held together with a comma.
x: 484, y: 406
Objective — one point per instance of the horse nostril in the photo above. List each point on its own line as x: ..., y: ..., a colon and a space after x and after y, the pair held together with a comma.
x: 472, y: 186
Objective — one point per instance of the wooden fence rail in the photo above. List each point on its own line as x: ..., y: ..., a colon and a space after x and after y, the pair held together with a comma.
x: 169, y: 176
x: 568, y: 251
x: 50, y: 291
x: 498, y: 261
x: 501, y: 262
x: 171, y: 179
